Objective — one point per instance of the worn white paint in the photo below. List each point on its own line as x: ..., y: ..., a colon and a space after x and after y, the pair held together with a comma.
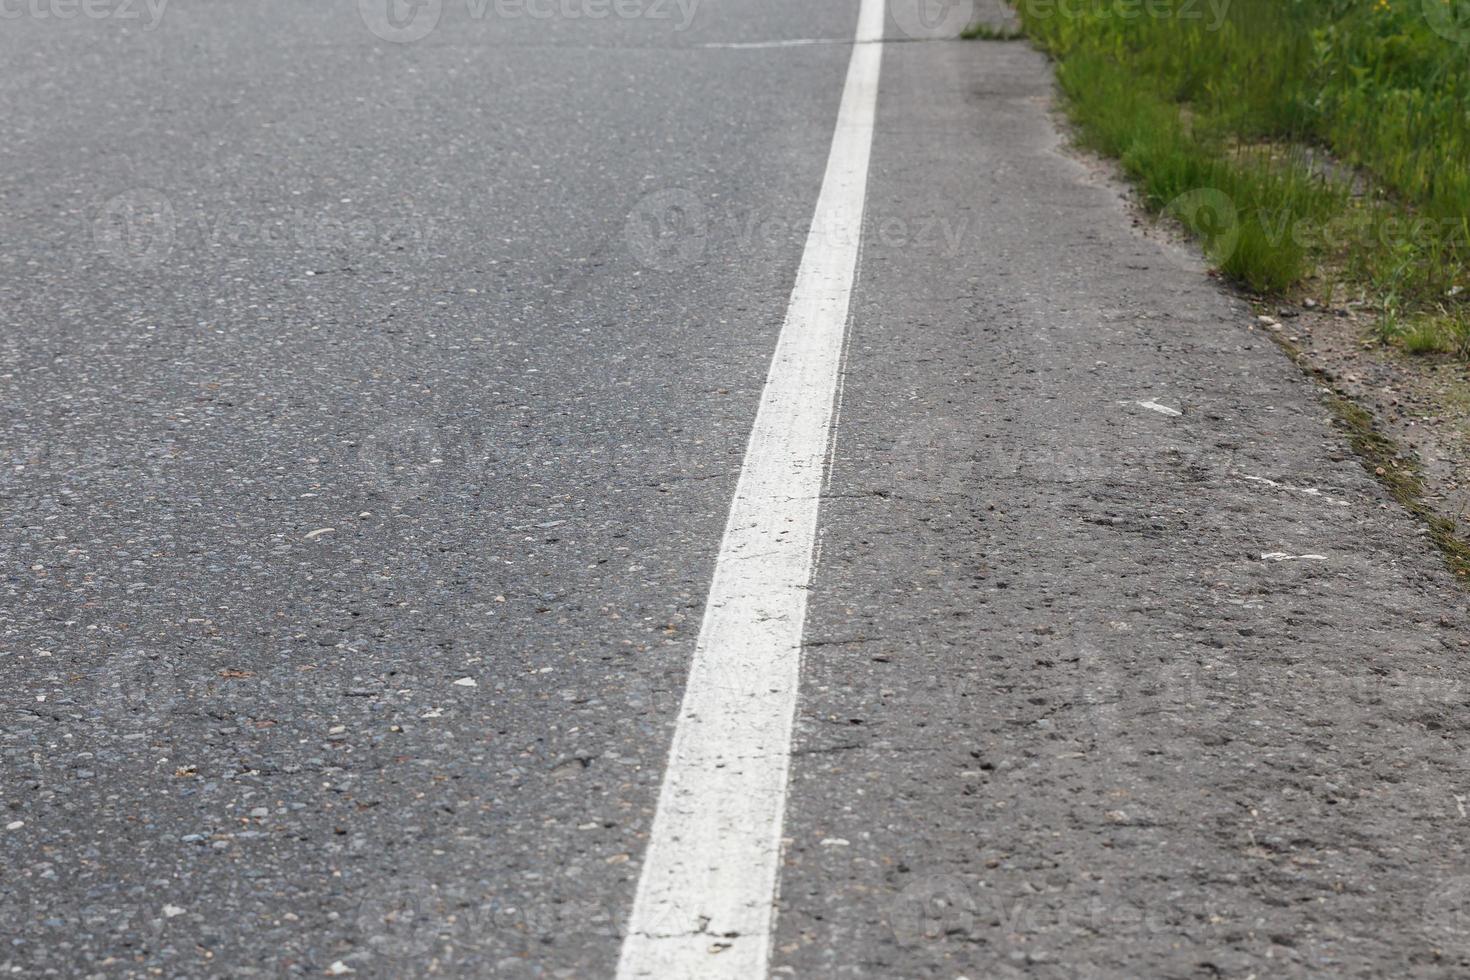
x: 705, y: 905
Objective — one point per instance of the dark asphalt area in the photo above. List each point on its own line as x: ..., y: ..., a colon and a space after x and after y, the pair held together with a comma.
x: 371, y: 412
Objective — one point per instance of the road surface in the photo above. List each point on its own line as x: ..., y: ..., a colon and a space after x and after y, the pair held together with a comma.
x: 377, y: 383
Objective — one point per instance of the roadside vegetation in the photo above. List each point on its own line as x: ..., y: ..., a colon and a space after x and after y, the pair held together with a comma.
x: 983, y: 31
x: 1317, y: 147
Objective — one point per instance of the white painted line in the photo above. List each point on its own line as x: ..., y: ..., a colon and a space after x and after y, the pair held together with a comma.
x: 795, y: 42
x: 1283, y: 556
x: 705, y: 907
x: 1154, y: 406
x: 1308, y: 491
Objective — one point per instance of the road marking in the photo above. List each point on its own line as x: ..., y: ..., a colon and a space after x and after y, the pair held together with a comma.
x: 705, y: 907
x: 1154, y: 406
x: 1307, y: 491
x: 795, y: 42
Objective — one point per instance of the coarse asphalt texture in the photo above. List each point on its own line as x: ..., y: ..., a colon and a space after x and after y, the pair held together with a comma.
x: 372, y: 410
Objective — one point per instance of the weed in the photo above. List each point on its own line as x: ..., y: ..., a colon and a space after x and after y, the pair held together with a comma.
x: 1425, y: 337
x: 981, y: 31
x: 1243, y: 106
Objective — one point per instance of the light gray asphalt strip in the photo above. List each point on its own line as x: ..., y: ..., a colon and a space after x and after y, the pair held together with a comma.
x: 1059, y: 717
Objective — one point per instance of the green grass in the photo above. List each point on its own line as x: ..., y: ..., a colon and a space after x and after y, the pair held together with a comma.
x: 1424, y: 338
x: 1222, y: 114
x: 981, y: 31
x: 1431, y: 334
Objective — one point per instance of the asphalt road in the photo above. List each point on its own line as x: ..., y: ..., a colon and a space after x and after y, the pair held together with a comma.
x: 373, y: 408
